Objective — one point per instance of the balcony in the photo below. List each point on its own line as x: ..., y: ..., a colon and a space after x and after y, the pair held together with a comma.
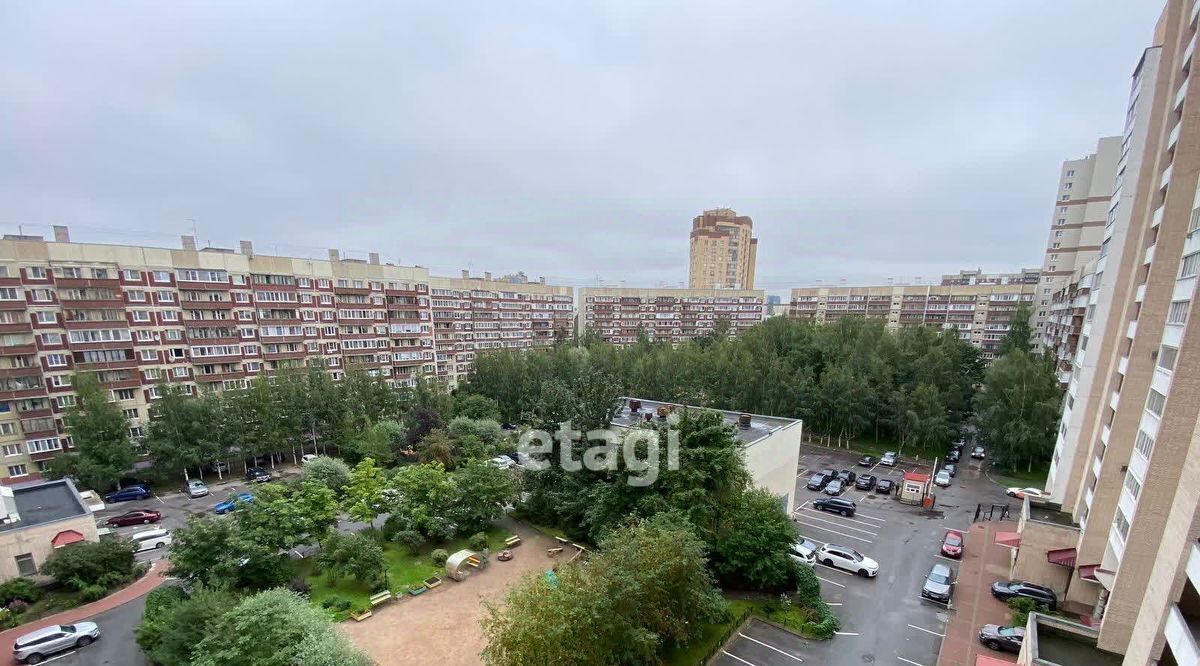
x: 1158, y: 216
x: 1183, y: 89
x: 1166, y: 176
x: 1183, y: 635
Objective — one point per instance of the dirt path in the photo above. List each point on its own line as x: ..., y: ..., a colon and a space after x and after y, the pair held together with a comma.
x: 442, y: 626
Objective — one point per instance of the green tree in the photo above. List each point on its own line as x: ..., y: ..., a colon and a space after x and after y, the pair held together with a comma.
x: 364, y: 497
x: 752, y: 544
x: 1020, y: 332
x: 438, y: 447
x: 476, y: 407
x: 100, y: 434
x: 426, y: 498
x: 357, y: 556
x: 333, y: 472
x: 175, y: 621
x: 104, y: 563
x: 178, y: 426
x: 1019, y: 408
x: 274, y: 628
x: 927, y: 422
x: 482, y: 492
x: 217, y: 553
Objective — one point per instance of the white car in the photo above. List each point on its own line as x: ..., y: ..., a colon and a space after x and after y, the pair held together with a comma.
x: 942, y: 479
x: 848, y: 559
x: 804, y: 552
x: 35, y: 646
x: 307, y: 458
x: 1022, y: 493
x: 888, y: 459
x: 503, y: 462
x: 151, y: 540
x: 195, y: 488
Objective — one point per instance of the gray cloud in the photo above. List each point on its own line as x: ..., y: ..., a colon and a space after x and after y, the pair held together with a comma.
x: 867, y: 140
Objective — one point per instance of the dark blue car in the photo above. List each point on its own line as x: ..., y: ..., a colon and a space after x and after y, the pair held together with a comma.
x: 127, y: 494
x: 233, y: 502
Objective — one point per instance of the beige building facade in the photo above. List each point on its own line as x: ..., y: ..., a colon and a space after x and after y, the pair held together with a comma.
x: 212, y: 319
x: 722, y: 251
x: 1126, y: 467
x: 978, y: 311
x: 618, y: 315
x: 39, y: 518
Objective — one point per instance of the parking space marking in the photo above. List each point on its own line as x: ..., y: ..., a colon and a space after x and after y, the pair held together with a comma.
x: 826, y: 566
x: 830, y: 603
x: 840, y: 523
x: 830, y: 581
x: 727, y: 654
x: 909, y: 661
x: 65, y: 654
x: 948, y: 559
x: 860, y: 515
x: 845, y: 633
x: 803, y: 505
x: 826, y: 529
x: 770, y: 647
x: 928, y: 631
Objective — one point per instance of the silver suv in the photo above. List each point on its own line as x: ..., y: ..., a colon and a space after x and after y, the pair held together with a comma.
x: 34, y: 647
x: 195, y: 488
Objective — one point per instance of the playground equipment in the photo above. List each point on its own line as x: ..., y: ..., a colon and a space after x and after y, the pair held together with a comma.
x: 459, y: 565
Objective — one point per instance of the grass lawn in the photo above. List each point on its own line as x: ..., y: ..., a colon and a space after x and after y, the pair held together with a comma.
x: 878, y: 447
x: 403, y: 569
x: 1022, y: 477
x: 51, y: 602
x: 710, y: 637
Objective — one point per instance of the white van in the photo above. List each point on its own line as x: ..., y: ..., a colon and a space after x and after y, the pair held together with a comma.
x: 151, y: 539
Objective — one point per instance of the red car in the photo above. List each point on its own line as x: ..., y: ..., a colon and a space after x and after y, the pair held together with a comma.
x: 952, y: 544
x: 135, y: 517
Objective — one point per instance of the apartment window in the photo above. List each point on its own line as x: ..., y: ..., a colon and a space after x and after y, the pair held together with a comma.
x: 1064, y: 197
x: 174, y: 334
x: 179, y: 373
x: 1083, y: 343
x: 1067, y: 186
x: 131, y: 275
x: 323, y: 284
x: 123, y: 394
x: 239, y: 279
x: 45, y: 317
x: 170, y: 315
x: 7, y: 429
x: 148, y: 355
x: 242, y: 297
x: 65, y: 401
x: 1178, y: 313
x: 37, y: 272
x: 1144, y: 444
x: 1189, y: 265
x: 166, y: 297
x: 25, y: 565
x: 161, y: 276
x: 1122, y: 524
x: 152, y: 374
x: 136, y: 295
x: 56, y: 360
x: 41, y: 295
x: 141, y: 315
x: 1166, y: 357
x: 1155, y: 402
x: 343, y: 283
x: 10, y: 294
x: 16, y: 471
x: 1054, y: 257
x: 137, y: 432
x: 1070, y: 172
x: 130, y: 414
x: 252, y: 366
x: 43, y: 445
x: 1132, y: 484
x: 52, y: 338
x: 11, y: 450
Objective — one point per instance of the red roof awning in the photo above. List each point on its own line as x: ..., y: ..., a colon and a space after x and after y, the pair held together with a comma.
x: 915, y: 476
x: 1010, y: 539
x: 66, y: 538
x: 1064, y: 557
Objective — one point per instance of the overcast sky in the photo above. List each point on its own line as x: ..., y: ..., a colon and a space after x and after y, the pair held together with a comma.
x: 576, y: 140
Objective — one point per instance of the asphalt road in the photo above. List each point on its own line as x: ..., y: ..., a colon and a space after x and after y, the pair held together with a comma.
x: 884, y: 619
x: 116, y: 646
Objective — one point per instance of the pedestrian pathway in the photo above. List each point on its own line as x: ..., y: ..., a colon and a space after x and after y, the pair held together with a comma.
x: 154, y: 577
x: 983, y: 563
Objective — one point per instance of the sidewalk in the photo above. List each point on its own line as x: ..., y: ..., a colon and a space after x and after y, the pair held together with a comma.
x: 983, y: 563
x: 153, y: 578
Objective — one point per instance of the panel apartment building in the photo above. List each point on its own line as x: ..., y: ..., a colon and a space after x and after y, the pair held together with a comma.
x: 670, y: 315
x: 1125, y: 475
x: 214, y: 319
x: 977, y: 305
x: 722, y: 251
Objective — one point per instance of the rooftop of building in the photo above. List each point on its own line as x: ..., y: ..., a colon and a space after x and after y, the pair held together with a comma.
x: 758, y: 428
x: 1054, y: 641
x: 1049, y: 512
x: 41, y: 502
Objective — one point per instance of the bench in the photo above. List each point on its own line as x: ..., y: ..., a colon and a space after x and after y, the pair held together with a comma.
x: 511, y: 541
x: 553, y: 551
x: 561, y: 540
x: 473, y: 561
x: 380, y: 598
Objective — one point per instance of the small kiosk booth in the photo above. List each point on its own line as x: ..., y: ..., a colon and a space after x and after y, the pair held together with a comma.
x: 914, y: 488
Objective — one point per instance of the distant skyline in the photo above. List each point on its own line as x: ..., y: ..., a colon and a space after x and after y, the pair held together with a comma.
x: 577, y: 142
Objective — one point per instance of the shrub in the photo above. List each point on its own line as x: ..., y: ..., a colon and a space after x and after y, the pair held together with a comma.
x: 112, y: 579
x: 8, y: 619
x: 21, y: 589
x: 84, y: 564
x: 17, y: 606
x: 410, y: 540
x: 91, y: 593
x: 332, y: 472
x: 439, y: 557
x: 395, y: 524
x: 300, y: 586
x: 478, y: 541
x: 336, y: 603
x: 1021, y: 607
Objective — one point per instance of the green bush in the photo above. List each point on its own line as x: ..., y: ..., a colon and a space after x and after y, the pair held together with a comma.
x: 478, y: 541
x: 410, y: 540
x: 93, y: 593
x: 21, y: 589
x: 1021, y: 607
x: 336, y: 603
x: 439, y: 557
x: 85, y: 564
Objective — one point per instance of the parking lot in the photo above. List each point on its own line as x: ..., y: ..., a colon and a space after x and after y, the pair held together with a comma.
x: 884, y: 619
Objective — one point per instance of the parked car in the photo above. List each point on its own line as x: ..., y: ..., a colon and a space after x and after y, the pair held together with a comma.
x: 836, y: 505
x: 1006, y: 639
x: 865, y: 482
x: 232, y: 503
x: 835, y: 487
x: 151, y: 540
x: 958, y: 444
x: 127, y: 494
x: 195, y: 488
x: 953, y: 455
x: 942, y: 479
x: 257, y: 475
x: 128, y: 481
x: 951, y: 469
x: 845, y: 557
x: 952, y: 544
x: 847, y: 477
x: 307, y: 458
x: 135, y: 517
x: 34, y: 647
x: 867, y: 461
x: 1005, y: 590
x: 218, y: 467
x: 939, y: 584
x: 978, y: 453
x: 501, y: 462
x: 885, y: 486
x: 888, y: 459
x: 1022, y: 493
x: 803, y: 551
x: 817, y: 481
